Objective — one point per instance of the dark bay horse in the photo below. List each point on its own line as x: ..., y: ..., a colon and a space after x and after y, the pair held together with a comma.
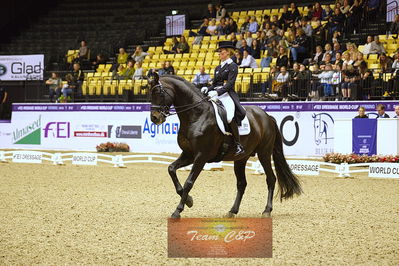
x: 200, y: 140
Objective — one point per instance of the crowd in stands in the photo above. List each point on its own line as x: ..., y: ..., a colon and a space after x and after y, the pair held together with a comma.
x: 304, y: 51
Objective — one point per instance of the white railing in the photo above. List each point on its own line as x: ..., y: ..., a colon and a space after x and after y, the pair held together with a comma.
x: 342, y: 170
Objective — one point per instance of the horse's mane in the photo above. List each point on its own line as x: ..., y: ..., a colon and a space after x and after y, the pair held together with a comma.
x: 192, y: 88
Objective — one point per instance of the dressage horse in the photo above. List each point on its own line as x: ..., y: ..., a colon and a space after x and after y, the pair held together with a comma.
x: 200, y: 140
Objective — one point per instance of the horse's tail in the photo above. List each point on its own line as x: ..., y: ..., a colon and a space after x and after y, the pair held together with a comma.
x: 288, y: 182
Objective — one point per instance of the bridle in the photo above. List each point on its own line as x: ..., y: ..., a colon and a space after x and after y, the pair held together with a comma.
x: 164, y: 109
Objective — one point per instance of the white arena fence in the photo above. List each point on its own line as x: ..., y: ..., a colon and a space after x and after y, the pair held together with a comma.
x: 299, y: 165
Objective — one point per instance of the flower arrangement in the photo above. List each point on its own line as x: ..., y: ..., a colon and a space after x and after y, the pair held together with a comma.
x: 354, y: 158
x: 113, y: 147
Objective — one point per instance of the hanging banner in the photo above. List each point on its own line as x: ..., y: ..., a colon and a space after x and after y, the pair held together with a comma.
x: 364, y: 136
x: 21, y: 67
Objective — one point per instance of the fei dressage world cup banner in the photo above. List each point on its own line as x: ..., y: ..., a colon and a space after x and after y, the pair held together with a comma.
x: 364, y: 136
x: 21, y: 67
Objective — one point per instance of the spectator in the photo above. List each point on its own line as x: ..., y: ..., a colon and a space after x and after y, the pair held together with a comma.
x: 336, y: 49
x: 138, y: 73
x: 54, y: 84
x: 202, y: 31
x: 361, y: 113
x: 282, y: 59
x: 328, y: 50
x: 336, y: 80
x: 280, y: 83
x: 3, y: 102
x: 202, y: 79
x: 365, y: 81
x: 306, y: 27
x: 395, y: 65
x: 245, y: 47
x: 336, y: 37
x: 317, y: 12
x: 122, y: 56
x: 211, y: 12
x: 352, y: 49
x: 367, y: 46
x: 336, y: 21
x: 220, y: 12
x: 126, y: 73
x: 83, y: 51
x: 295, y: 15
x: 385, y: 63
x: 381, y: 111
x: 354, y: 17
x: 237, y: 57
x: 394, y: 28
x: 78, y: 77
x: 317, y: 57
x: 255, y: 49
x: 245, y: 25
x: 233, y: 38
x: 139, y: 55
x: 169, y: 69
x: 298, y: 45
x: 319, y: 33
x: 351, y: 76
x: 327, y: 61
x: 327, y: 13
x: 174, y: 47
x: 231, y: 26
x: 396, y: 111
x: 285, y: 19
x: 182, y: 46
x: 376, y: 46
x: 100, y: 59
x: 248, y: 38
x: 222, y: 29
x: 345, y: 8
x: 67, y: 89
x: 347, y: 61
x: 253, y: 25
x: 359, y: 61
x: 240, y: 41
x: 248, y: 61
x: 326, y: 81
x: 315, y: 84
x: 211, y: 30
x: 338, y: 60
x: 372, y: 9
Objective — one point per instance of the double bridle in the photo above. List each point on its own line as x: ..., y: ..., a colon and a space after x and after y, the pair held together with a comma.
x: 164, y: 109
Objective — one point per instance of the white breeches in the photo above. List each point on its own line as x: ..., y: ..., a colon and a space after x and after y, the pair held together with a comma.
x: 229, y: 105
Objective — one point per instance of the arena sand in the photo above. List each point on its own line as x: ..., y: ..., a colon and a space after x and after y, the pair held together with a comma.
x: 101, y: 215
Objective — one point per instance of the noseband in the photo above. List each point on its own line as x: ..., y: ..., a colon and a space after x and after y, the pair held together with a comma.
x: 164, y: 109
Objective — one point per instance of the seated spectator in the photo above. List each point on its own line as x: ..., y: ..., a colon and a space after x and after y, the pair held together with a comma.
x: 394, y: 28
x: 297, y: 83
x: 315, y: 84
x: 211, y: 30
x: 280, y: 83
x: 233, y: 38
x: 237, y: 57
x: 328, y: 50
x: 169, y: 69
x: 282, y: 58
x: 139, y: 54
x: 245, y: 25
x: 351, y: 76
x: 336, y: 49
x: 175, y: 43
x: 54, y: 86
x: 345, y: 8
x: 298, y: 45
x: 337, y: 21
x: 248, y: 61
x: 122, y: 56
x: 4, y: 103
x: 126, y: 73
x: 327, y: 61
x: 359, y: 60
x: 385, y: 63
x: 338, y: 60
x: 161, y: 70
x: 240, y: 41
x: 100, y: 59
x: 222, y: 29
x: 352, y: 50
x: 396, y: 111
x: 367, y: 46
x: 306, y: 27
x: 182, y: 46
x: 361, y: 113
x: 118, y: 72
x: 347, y: 61
x: 231, y: 26
x: 376, y: 46
x: 395, y: 65
x: 295, y: 15
x: 202, y: 79
x: 336, y: 80
x: 68, y: 89
x: 317, y: 12
x: 253, y: 25
x: 138, y: 73
x: 381, y: 111
x: 285, y: 19
x: 245, y: 47
x: 336, y: 38
x: 83, y: 51
x: 220, y: 12
x: 326, y: 78
x: 255, y: 49
x: 248, y: 38
x: 327, y: 13
x: 317, y: 57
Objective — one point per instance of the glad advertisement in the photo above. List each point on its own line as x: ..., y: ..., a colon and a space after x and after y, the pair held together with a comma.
x: 21, y: 67
x: 307, y: 128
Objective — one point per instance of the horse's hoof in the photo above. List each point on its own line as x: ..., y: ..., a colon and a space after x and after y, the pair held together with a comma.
x: 230, y: 215
x: 266, y: 215
x: 176, y: 215
x: 189, y: 201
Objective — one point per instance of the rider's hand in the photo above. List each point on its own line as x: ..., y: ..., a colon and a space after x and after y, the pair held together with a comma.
x: 204, y: 90
x: 213, y: 95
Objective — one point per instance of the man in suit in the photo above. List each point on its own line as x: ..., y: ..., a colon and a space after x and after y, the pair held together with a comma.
x: 222, y: 88
x: 396, y: 111
x: 381, y: 111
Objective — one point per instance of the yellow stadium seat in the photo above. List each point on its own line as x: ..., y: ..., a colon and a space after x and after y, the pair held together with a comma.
x: 151, y: 49
x: 259, y: 12
x: 374, y: 66
x: 248, y: 70
x: 372, y: 57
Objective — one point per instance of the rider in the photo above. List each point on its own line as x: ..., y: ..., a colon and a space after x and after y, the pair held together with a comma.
x: 222, y: 89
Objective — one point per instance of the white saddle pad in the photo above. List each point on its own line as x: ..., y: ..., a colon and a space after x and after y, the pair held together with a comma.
x: 244, y: 129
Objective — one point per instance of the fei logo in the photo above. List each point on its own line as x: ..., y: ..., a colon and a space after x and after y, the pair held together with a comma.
x: 165, y: 128
x: 59, y: 130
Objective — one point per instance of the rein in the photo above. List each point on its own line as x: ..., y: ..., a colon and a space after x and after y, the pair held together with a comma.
x: 165, y: 110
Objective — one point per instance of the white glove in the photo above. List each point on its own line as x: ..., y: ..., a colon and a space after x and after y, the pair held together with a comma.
x: 213, y: 95
x: 204, y: 90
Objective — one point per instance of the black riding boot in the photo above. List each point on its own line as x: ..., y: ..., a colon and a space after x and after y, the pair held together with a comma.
x: 236, y: 136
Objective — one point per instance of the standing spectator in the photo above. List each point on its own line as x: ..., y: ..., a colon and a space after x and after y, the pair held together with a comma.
x: 202, y: 79
x: 336, y: 21
x: 68, y: 89
x: 285, y: 19
x: 394, y: 28
x: 319, y: 34
x: 361, y: 113
x: 83, y: 51
x: 220, y: 12
x: 182, y: 46
x: 298, y: 45
x: 139, y: 55
x: 169, y: 69
x: 317, y: 12
x: 282, y: 59
x: 354, y: 17
x: 372, y: 9
x: 336, y: 80
x: 78, y: 77
x: 253, y: 25
x: 54, y: 84
x: 326, y: 81
x: 211, y: 12
x: 385, y: 63
x: 314, y: 93
x: 351, y: 76
x: 367, y: 46
x: 255, y: 49
x: 138, y: 73
x: 376, y: 46
x: 248, y: 61
x: 345, y: 8
x: 381, y: 111
x: 295, y: 15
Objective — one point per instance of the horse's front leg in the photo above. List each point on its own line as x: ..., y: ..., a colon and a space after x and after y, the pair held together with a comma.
x: 182, y: 161
x: 198, y: 165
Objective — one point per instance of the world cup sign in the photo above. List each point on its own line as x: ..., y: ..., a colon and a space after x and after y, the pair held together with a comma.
x: 220, y: 238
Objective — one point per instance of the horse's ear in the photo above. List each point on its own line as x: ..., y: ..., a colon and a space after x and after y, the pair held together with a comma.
x: 153, y: 79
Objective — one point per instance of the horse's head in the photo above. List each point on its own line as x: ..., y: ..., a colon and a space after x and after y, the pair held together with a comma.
x: 161, y: 100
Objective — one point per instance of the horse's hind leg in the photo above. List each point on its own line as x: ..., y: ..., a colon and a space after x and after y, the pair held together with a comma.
x: 182, y: 161
x: 265, y: 160
x: 239, y: 171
